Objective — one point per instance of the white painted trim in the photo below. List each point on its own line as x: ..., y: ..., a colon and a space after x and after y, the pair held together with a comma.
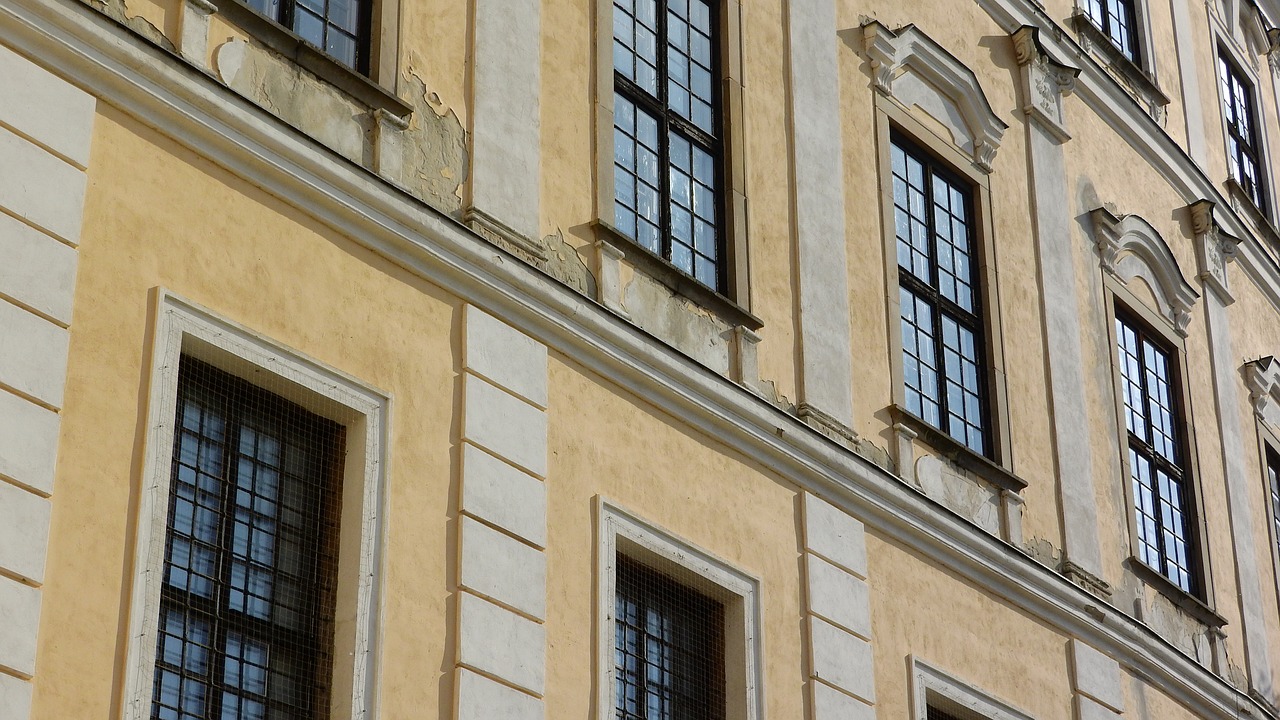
x: 1117, y: 239
x: 889, y: 51
x: 180, y: 328
x: 74, y: 40
x: 738, y: 591
x: 929, y: 685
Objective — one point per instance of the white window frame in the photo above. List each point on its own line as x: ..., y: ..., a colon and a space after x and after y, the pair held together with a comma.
x: 931, y: 686
x: 739, y: 592
x: 182, y: 328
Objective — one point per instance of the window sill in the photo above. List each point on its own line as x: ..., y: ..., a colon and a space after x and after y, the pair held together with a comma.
x: 1140, y: 82
x: 1192, y: 605
x: 291, y: 45
x: 1241, y: 202
x: 675, y: 280
x: 958, y: 453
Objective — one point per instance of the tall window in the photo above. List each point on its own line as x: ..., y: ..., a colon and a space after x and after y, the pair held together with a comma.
x: 1243, y: 151
x: 667, y: 134
x: 246, y: 609
x: 669, y: 648
x: 942, y: 331
x: 1273, y: 492
x: 338, y: 27
x: 1117, y: 20
x: 1157, y: 467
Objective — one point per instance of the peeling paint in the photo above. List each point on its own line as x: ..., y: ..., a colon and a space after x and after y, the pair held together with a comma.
x: 116, y: 10
x: 966, y: 495
x: 680, y: 322
x: 1043, y: 552
x: 436, y: 144
x: 296, y: 96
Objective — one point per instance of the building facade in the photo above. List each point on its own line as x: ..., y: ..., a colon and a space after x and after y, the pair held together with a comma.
x: 643, y: 359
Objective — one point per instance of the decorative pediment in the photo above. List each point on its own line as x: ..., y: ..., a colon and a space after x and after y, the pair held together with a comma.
x: 1129, y: 247
x: 1262, y: 377
x: 910, y: 67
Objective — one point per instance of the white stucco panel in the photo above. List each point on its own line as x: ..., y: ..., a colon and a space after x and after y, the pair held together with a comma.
x: 498, y: 642
x: 1097, y: 676
x: 831, y: 704
x: 19, y: 622
x: 38, y: 271
x: 28, y: 442
x: 835, y: 535
x: 24, y: 532
x: 45, y: 107
x: 504, y: 495
x: 506, y: 356
x: 503, y: 568
x: 1087, y: 709
x: 839, y: 596
x: 15, y: 698
x: 480, y: 698
x: 505, y: 425
x: 33, y: 352
x: 41, y: 188
x: 842, y: 659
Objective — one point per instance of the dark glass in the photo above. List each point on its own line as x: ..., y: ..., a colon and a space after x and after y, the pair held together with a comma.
x: 1243, y: 153
x: 339, y: 28
x: 1117, y: 20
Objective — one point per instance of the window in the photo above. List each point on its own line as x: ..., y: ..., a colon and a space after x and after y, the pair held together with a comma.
x: 1243, y: 151
x: 942, y: 329
x: 1157, y: 467
x: 667, y: 133
x: 250, y: 571
x: 669, y: 652
x: 340, y: 28
x: 1117, y: 19
x: 1273, y: 492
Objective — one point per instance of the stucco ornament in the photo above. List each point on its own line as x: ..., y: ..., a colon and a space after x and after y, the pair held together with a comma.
x: 1262, y: 377
x: 1214, y: 249
x: 1045, y: 82
x: 910, y: 67
x: 1129, y: 247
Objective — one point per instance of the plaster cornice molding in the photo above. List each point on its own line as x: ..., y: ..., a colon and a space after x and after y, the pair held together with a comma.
x: 1045, y: 81
x: 1214, y: 249
x: 890, y: 51
x: 180, y: 102
x: 1262, y: 377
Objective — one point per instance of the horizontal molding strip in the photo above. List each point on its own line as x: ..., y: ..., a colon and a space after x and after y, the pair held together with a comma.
x: 164, y: 93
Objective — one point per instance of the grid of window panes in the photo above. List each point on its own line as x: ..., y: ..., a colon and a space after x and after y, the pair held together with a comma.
x: 941, y: 320
x: 249, y: 574
x: 1273, y: 490
x: 1117, y: 20
x: 1161, y: 504
x: 668, y: 648
x: 666, y: 133
x: 338, y: 27
x: 1243, y: 153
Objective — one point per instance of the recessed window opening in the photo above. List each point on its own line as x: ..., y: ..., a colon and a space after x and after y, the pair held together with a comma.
x: 340, y: 28
x: 1117, y: 19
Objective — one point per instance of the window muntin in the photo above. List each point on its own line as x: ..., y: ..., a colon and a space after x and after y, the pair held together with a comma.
x: 942, y: 330
x: 250, y: 562
x: 1117, y: 19
x: 338, y: 27
x: 1273, y: 492
x: 668, y: 648
x: 1243, y: 151
x: 1161, y: 489
x: 667, y: 142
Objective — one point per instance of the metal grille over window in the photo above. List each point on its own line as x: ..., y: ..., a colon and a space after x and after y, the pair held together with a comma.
x: 1243, y: 153
x: 669, y: 648
x: 938, y: 287
x: 1160, y: 488
x: 666, y: 139
x: 338, y: 27
x: 246, y: 610
x: 1118, y: 21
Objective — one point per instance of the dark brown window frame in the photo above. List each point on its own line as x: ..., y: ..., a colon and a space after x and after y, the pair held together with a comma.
x: 1235, y: 86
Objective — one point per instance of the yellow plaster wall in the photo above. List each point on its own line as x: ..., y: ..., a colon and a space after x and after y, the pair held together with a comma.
x: 158, y: 216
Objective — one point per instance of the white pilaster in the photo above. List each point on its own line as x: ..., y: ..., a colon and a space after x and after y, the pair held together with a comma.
x: 826, y: 382
x: 503, y: 590
x: 505, y: 128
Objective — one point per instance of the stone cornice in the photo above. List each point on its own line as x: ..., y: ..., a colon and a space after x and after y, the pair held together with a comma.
x: 179, y: 101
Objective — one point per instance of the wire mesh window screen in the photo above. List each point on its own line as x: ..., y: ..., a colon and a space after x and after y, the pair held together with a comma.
x: 250, y: 573
x: 951, y: 712
x: 669, y: 647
